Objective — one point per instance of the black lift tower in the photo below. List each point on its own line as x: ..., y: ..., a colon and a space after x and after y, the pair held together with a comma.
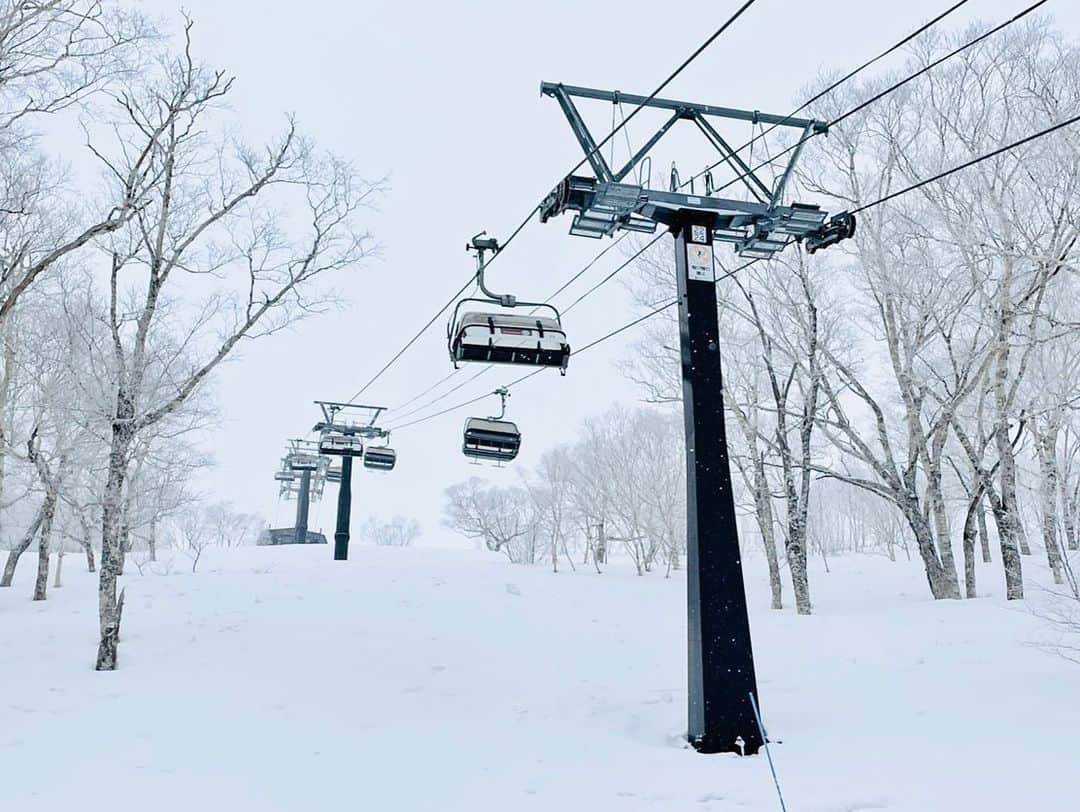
x: 722, y: 684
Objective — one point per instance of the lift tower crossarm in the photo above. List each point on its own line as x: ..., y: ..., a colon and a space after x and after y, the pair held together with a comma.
x: 758, y: 228
x: 584, y: 137
x: 331, y: 409
x: 686, y: 109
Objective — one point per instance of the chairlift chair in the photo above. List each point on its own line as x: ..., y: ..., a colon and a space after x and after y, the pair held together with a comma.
x: 501, y: 337
x: 380, y: 458
x: 333, y: 474
x: 304, y: 462
x: 492, y: 438
x: 507, y: 338
x: 341, y: 445
x: 489, y: 439
x: 284, y: 476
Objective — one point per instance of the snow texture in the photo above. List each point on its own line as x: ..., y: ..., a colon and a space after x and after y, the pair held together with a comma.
x: 421, y: 679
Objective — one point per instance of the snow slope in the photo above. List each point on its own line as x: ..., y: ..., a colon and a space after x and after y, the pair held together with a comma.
x: 277, y: 679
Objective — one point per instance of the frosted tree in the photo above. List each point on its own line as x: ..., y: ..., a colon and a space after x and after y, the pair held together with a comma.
x: 501, y: 518
x: 397, y: 532
x: 209, y: 260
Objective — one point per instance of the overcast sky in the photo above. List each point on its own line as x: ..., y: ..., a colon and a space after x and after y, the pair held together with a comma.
x: 443, y: 99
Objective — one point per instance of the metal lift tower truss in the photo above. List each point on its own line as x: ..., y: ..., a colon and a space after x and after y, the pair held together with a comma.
x: 722, y: 686
x: 364, y: 427
x: 758, y: 228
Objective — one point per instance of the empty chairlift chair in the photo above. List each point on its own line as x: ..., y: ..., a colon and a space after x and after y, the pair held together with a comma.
x: 341, y: 445
x: 507, y: 335
x: 333, y: 474
x: 303, y: 462
x: 380, y: 458
x: 489, y: 439
x: 509, y: 338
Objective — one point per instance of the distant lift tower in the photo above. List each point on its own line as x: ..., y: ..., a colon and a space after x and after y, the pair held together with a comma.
x: 302, y: 476
x: 720, y: 656
x: 342, y: 432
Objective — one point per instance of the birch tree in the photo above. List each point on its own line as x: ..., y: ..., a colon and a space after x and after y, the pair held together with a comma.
x: 209, y: 260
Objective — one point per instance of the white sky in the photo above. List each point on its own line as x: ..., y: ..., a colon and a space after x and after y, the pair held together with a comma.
x: 444, y: 99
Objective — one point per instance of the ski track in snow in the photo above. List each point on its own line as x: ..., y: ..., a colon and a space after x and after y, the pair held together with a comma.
x: 423, y: 679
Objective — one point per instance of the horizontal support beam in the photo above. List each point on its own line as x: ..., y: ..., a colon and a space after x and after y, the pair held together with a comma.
x: 551, y: 88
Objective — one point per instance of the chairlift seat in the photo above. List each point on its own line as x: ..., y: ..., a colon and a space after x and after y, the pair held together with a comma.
x: 284, y: 476
x: 490, y: 439
x: 333, y: 473
x: 380, y: 458
x: 304, y: 462
x: 341, y: 445
x: 500, y: 338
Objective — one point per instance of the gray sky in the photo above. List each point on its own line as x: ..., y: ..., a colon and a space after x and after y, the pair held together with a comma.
x: 443, y: 98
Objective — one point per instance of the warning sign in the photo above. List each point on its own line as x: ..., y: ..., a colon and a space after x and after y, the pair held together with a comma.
x: 699, y: 262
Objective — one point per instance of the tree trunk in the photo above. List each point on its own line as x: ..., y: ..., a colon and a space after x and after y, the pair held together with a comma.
x: 943, y: 583
x: 87, y: 544
x: 152, y: 540
x: 763, y: 508
x: 58, y: 582
x: 984, y: 534
x: 1046, y: 448
x: 937, y: 498
x: 110, y: 604
x: 21, y: 547
x: 1021, y: 532
x: 1068, y: 511
x: 41, y: 585
x: 1010, y: 553
x: 970, y: 525
x: 125, y: 523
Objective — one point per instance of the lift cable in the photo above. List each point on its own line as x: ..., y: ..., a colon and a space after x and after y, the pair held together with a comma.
x: 659, y: 89
x: 665, y: 306
x: 434, y: 318
x: 841, y: 118
x: 439, y: 398
x: 612, y: 275
x: 749, y: 144
x: 891, y: 89
x: 993, y: 154
x: 419, y: 395
x: 842, y: 80
x: 585, y: 269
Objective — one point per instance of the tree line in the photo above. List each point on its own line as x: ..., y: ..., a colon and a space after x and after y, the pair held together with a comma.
x: 127, y: 279
x: 912, y: 391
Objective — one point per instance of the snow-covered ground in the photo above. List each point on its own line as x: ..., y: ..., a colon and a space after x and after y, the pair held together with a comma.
x: 421, y: 679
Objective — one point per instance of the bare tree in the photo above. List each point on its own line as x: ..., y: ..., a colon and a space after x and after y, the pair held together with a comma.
x: 501, y: 518
x: 397, y: 532
x: 212, y: 215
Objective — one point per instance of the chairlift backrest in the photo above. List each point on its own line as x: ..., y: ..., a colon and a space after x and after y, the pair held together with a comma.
x: 380, y: 458
x: 341, y: 445
x: 505, y: 337
x: 490, y: 439
x: 304, y: 462
x: 333, y: 473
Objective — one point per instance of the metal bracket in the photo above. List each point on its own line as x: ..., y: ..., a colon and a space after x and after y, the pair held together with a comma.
x: 482, y: 246
x: 503, y: 393
x: 757, y: 228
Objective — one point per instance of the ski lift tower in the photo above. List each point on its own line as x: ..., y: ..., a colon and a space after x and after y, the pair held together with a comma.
x: 303, y: 459
x: 722, y: 684
x: 343, y: 429
x: 302, y: 476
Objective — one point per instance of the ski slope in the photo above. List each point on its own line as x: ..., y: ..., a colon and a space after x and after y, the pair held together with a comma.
x: 427, y: 679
